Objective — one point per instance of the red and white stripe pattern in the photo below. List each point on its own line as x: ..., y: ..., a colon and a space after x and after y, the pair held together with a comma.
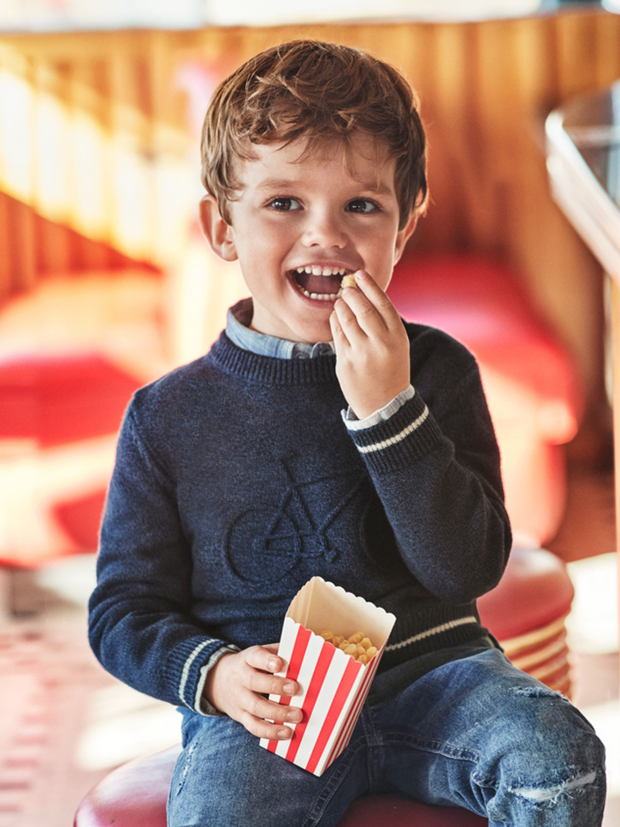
x: 333, y: 689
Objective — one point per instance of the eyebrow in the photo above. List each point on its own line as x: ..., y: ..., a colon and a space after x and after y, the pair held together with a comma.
x: 278, y: 184
x: 287, y: 183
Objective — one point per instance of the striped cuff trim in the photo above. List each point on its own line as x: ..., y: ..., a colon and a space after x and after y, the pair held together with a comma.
x: 188, y: 666
x: 436, y: 630
x: 393, y: 440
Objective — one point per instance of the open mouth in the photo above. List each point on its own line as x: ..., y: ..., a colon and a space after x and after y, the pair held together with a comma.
x: 319, y: 283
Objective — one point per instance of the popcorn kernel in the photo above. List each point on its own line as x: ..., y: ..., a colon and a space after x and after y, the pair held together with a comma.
x: 357, y: 646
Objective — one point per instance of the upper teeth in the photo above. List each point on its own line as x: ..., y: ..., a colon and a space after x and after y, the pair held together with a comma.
x: 315, y: 270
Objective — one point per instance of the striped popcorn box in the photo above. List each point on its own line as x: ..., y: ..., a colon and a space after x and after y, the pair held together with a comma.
x: 333, y: 685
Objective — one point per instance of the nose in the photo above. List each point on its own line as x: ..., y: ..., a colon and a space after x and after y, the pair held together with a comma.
x: 325, y: 228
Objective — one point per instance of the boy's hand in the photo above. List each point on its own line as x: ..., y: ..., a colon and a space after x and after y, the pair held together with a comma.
x: 237, y: 686
x: 372, y: 347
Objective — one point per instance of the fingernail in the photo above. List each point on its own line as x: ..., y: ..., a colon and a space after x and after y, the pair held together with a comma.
x: 283, y: 733
x: 289, y: 688
x: 273, y: 665
x: 293, y: 716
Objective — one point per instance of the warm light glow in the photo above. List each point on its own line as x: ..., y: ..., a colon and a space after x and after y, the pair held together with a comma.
x: 278, y: 12
x: 32, y: 482
x: 51, y: 161
x: 16, y: 103
x: 91, y: 202
x: 202, y: 291
x: 122, y: 724
x: 132, y: 186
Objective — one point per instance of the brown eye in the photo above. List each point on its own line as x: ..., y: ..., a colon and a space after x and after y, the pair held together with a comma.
x: 362, y: 205
x: 285, y: 204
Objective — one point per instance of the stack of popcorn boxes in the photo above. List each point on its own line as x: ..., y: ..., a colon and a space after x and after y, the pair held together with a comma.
x: 333, y: 681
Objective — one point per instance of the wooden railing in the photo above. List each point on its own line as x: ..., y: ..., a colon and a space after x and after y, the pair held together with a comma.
x: 98, y: 145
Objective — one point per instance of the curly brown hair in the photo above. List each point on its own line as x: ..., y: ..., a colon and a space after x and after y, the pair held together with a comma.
x: 315, y: 91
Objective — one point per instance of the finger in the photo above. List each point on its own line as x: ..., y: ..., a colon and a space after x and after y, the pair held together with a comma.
x: 263, y: 683
x: 264, y: 658
x: 347, y: 317
x: 261, y: 668
x: 369, y: 288
x: 367, y: 317
x: 338, y: 334
x: 265, y: 729
x: 369, y: 304
x: 264, y: 709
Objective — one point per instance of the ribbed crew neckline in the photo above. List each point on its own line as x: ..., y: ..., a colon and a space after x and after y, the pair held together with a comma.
x: 270, y: 369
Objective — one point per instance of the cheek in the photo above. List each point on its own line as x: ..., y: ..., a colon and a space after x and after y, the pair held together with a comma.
x: 271, y: 238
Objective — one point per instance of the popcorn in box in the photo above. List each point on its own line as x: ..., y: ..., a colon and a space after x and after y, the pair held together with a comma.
x: 333, y: 685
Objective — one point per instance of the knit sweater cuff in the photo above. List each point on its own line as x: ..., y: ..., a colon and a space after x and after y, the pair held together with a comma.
x: 407, y: 435
x: 184, y: 664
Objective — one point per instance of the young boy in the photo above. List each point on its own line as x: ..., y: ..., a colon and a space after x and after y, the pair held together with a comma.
x: 323, y: 436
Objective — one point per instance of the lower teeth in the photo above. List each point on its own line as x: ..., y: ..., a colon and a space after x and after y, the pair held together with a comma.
x: 320, y: 296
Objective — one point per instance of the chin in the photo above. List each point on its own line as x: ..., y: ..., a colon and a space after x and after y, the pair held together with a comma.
x: 313, y: 334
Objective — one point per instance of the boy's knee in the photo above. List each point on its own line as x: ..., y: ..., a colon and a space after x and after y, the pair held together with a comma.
x: 548, y: 757
x: 543, y: 725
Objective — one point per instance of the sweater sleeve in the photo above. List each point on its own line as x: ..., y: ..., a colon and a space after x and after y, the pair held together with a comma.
x: 140, y: 621
x: 438, y: 478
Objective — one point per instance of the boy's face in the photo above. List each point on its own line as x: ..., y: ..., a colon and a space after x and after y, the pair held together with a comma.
x: 298, y: 226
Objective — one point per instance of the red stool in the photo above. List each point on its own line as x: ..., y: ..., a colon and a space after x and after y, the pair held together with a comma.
x: 135, y: 796
x: 527, y: 613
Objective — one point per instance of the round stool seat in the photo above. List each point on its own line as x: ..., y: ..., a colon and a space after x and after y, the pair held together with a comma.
x: 534, y: 591
x: 527, y: 611
x: 135, y: 795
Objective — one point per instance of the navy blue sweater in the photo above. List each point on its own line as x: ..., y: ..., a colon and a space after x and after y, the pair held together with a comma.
x: 237, y: 480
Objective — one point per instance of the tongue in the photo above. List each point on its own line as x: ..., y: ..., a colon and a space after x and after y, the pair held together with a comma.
x: 318, y: 284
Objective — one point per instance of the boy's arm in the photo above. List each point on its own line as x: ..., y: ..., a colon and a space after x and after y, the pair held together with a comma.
x: 140, y: 620
x: 438, y: 478
x: 140, y: 624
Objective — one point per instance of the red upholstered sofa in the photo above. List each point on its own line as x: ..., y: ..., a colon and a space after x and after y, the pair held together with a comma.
x: 72, y: 351
x: 62, y: 414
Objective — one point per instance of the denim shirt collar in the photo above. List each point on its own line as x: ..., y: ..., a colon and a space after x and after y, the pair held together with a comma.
x: 239, y: 332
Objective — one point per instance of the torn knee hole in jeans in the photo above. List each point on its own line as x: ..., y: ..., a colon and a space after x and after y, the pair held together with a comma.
x: 551, y: 794
x: 188, y: 761
x: 538, y: 692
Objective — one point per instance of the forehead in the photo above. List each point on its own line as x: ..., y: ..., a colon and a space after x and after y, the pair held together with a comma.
x: 361, y: 161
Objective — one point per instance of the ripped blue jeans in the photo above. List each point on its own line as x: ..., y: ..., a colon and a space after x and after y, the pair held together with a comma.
x: 473, y: 732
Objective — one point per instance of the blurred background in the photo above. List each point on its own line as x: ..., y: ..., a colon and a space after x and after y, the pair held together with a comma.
x: 106, y: 283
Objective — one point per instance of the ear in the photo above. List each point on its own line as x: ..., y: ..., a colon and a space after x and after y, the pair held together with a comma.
x: 403, y: 237
x: 220, y: 234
